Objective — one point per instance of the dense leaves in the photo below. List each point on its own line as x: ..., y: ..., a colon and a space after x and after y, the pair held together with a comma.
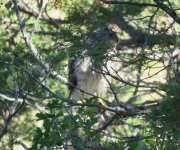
x: 164, y: 120
x: 140, y: 109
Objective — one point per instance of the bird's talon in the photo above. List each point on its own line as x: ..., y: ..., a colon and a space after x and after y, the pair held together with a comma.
x: 101, y: 103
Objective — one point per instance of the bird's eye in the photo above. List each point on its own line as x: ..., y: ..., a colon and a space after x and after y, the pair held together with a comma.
x: 111, y: 34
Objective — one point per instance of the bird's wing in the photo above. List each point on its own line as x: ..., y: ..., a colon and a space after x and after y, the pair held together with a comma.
x: 71, y: 75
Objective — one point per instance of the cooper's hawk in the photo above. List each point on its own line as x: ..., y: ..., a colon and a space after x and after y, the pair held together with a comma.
x: 81, y: 70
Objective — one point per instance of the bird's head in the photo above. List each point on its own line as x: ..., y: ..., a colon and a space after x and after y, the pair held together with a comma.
x: 108, y: 34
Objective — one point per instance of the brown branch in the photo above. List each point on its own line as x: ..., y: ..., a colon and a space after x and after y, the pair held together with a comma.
x: 31, y: 12
x: 106, y: 124
x: 74, y: 103
x: 159, y: 4
x: 7, y: 121
x: 128, y: 3
x: 169, y: 11
x: 118, y: 78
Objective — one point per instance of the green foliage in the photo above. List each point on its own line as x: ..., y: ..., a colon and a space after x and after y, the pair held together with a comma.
x: 137, y: 145
x: 57, y: 41
x: 59, y: 128
x: 99, y: 54
x: 164, y: 120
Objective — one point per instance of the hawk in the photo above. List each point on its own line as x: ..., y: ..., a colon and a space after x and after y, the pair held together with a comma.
x: 82, y: 72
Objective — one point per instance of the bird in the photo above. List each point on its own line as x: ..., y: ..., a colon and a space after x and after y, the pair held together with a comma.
x: 85, y: 80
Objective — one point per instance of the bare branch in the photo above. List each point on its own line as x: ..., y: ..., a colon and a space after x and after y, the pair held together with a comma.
x: 159, y: 4
x: 28, y: 10
x: 128, y: 3
x: 169, y: 11
x: 106, y: 124
x: 8, y: 120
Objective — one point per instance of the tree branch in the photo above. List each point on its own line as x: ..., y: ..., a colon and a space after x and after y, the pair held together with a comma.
x: 169, y: 11
x: 128, y: 3
x: 26, y: 9
x: 106, y: 124
x: 159, y: 4
x: 7, y: 121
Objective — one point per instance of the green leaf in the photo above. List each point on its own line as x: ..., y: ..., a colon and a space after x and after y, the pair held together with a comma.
x: 41, y: 116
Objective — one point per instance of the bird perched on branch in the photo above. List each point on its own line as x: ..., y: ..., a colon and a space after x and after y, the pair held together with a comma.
x: 82, y: 71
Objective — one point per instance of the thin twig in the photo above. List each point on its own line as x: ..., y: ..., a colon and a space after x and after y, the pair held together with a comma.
x: 106, y: 124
